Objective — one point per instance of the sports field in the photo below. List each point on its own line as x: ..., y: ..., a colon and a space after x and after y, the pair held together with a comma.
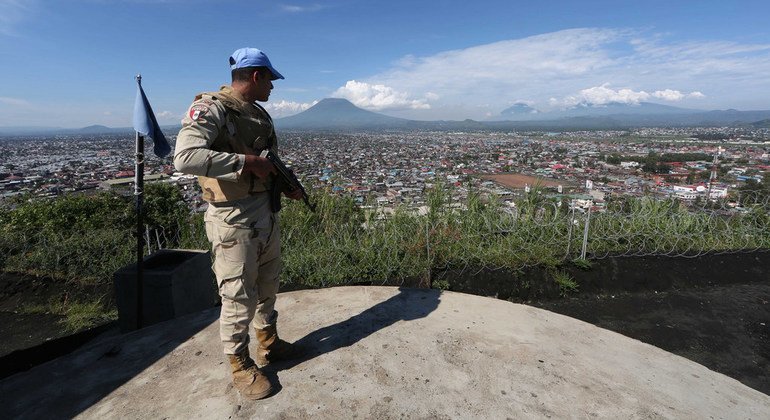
x: 519, y: 181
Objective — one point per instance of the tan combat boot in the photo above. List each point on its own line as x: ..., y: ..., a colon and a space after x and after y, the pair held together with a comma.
x: 271, y: 348
x: 247, y: 378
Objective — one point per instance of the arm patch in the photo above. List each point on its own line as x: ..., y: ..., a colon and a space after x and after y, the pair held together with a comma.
x: 197, y: 110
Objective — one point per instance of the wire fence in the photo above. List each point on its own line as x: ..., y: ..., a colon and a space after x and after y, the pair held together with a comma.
x: 342, y: 243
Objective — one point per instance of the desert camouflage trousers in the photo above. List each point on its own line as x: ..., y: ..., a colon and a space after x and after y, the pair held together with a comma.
x: 247, y: 262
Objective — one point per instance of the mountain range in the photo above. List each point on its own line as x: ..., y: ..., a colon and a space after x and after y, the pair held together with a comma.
x: 91, y: 129
x: 335, y: 114
x: 332, y: 114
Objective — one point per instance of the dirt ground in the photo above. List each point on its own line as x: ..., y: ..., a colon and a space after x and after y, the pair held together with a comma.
x: 714, y: 310
x: 725, y: 328
x: 18, y: 329
x: 24, y: 320
x: 519, y: 181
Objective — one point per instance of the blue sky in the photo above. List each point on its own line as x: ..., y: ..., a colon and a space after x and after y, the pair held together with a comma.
x: 71, y: 63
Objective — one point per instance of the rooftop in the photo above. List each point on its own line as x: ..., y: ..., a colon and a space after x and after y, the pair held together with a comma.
x: 383, y: 352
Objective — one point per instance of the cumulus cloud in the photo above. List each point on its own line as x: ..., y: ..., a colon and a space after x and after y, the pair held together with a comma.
x: 285, y: 108
x: 604, y: 94
x: 380, y: 97
x: 669, y: 95
x: 646, y: 67
x: 675, y: 95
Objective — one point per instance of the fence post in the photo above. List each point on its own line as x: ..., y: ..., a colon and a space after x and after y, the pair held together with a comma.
x: 157, y: 239
x: 147, y: 239
x: 569, y: 231
x: 585, y: 234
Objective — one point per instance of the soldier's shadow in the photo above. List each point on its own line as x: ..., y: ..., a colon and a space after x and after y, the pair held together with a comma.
x: 407, y: 305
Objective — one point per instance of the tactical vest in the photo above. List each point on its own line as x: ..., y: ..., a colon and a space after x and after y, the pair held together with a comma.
x: 248, y: 130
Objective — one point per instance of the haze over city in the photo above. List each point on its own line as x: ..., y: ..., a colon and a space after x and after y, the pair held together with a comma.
x: 72, y: 64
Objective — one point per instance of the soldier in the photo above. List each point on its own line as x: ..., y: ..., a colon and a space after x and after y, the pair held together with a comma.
x: 220, y: 141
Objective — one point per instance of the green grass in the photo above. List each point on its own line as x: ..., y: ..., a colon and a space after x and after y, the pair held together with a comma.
x: 80, y: 316
x: 582, y: 263
x: 76, y: 315
x: 83, y: 243
x: 566, y: 283
x: 440, y: 285
x: 343, y: 244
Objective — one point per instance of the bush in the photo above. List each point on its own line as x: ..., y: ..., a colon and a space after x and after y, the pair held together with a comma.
x: 85, y: 238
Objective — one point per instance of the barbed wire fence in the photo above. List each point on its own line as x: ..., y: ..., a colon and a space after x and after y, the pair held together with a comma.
x: 344, y: 244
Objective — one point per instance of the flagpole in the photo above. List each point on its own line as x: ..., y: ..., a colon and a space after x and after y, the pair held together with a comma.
x: 145, y: 124
x: 139, y: 194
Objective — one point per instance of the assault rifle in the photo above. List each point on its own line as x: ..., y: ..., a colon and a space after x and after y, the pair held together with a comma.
x: 285, y: 181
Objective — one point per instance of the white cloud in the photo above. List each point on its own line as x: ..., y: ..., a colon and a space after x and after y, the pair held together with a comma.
x: 379, y: 97
x: 15, y: 102
x: 285, y: 108
x: 669, y: 95
x: 645, y: 67
x: 502, y: 66
x: 290, y: 8
x: 166, y: 115
x: 604, y: 94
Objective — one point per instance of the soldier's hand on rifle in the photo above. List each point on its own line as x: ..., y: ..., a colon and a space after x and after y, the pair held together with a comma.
x: 259, y: 166
x: 296, y: 194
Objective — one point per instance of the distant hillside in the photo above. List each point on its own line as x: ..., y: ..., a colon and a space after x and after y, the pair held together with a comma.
x: 89, y: 130
x: 333, y: 113
x: 632, y: 115
x: 519, y: 110
x: 96, y: 129
x: 341, y: 114
x: 523, y: 112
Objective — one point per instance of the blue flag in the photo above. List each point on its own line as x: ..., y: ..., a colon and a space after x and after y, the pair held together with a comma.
x: 146, y: 124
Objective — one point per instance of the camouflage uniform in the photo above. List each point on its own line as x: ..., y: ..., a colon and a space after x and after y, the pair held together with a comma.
x: 218, y: 130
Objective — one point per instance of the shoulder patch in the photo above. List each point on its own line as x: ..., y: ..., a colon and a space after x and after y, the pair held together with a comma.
x: 198, y: 110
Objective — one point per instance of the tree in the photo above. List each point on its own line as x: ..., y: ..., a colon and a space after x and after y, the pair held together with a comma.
x: 164, y: 207
x: 755, y: 193
x: 649, y: 167
x: 662, y: 168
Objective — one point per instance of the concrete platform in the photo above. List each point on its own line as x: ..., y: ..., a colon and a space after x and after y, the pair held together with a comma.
x: 382, y: 352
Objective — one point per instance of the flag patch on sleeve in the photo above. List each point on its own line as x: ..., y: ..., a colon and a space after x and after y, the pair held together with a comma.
x: 197, y: 111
